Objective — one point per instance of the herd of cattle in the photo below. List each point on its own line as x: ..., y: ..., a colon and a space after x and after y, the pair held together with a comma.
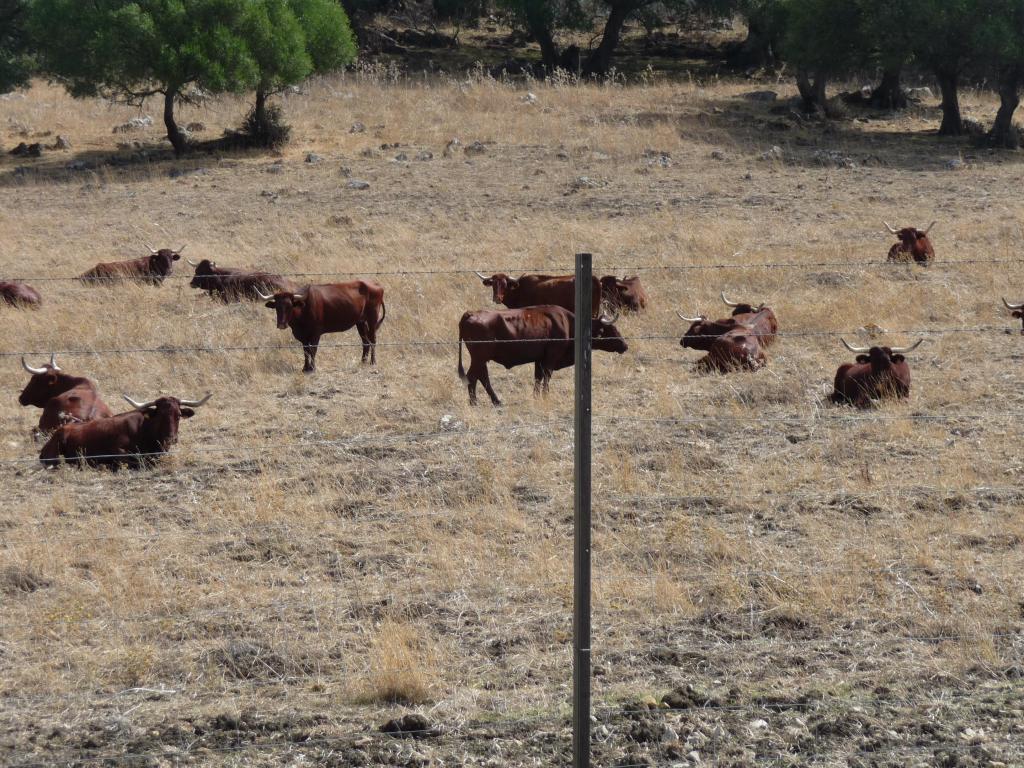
x: 538, y: 327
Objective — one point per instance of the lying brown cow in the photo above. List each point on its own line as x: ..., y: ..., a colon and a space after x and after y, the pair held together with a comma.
x: 1016, y: 310
x: 534, y: 290
x: 64, y: 399
x: 19, y: 294
x: 332, y: 308
x: 913, y: 245
x: 150, y: 269
x: 880, y: 373
x: 236, y: 284
x: 625, y: 294
x: 761, y: 320
x: 136, y: 438
x: 735, y: 350
x: 542, y: 335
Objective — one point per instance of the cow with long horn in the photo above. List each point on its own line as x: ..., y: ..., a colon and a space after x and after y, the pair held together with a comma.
x: 231, y: 284
x: 878, y: 373
x: 152, y: 269
x: 64, y: 399
x: 136, y: 438
x: 760, y: 320
x: 534, y: 290
x: 1016, y: 310
x: 730, y: 345
x: 334, y: 308
x: 913, y: 245
x: 543, y: 335
x: 624, y: 294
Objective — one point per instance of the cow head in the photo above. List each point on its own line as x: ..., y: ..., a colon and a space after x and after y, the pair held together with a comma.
x: 288, y: 305
x: 1016, y: 310
x: 501, y: 284
x: 161, y: 262
x: 606, y: 337
x: 611, y: 289
x: 881, y: 358
x: 204, y: 270
x: 912, y: 238
x: 703, y: 332
x: 739, y: 308
x: 163, y: 414
x: 46, y: 382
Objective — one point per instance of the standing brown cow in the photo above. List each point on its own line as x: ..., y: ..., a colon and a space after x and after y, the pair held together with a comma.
x: 881, y: 372
x: 913, y: 245
x: 19, y: 294
x: 534, y: 290
x: 150, y: 269
x: 64, y: 399
x: 333, y: 308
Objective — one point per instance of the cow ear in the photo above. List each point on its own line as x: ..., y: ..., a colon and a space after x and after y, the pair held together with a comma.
x: 488, y: 281
x: 863, y: 359
x: 1018, y: 313
x: 298, y: 301
x: 272, y: 304
x: 513, y: 283
x: 175, y: 257
x: 187, y: 413
x: 897, y: 358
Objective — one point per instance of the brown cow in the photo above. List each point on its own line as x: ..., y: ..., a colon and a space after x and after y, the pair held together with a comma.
x: 626, y: 294
x: 543, y: 335
x: 534, y: 290
x: 760, y: 319
x: 334, y: 308
x: 230, y: 284
x: 136, y: 438
x: 882, y: 372
x: 759, y: 322
x: 64, y: 399
x: 1016, y: 310
x: 19, y: 294
x: 913, y: 245
x: 150, y: 269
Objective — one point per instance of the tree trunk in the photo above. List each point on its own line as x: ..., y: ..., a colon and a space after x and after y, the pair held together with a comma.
x: 541, y: 32
x: 889, y: 93
x: 757, y: 49
x: 259, y: 112
x: 1003, y: 133
x: 600, y: 60
x: 812, y: 93
x: 952, y: 122
x: 173, y: 132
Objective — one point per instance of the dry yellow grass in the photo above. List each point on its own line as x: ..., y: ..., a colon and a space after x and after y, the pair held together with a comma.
x: 301, y: 559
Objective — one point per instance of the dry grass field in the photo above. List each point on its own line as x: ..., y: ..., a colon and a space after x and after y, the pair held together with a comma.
x: 812, y: 585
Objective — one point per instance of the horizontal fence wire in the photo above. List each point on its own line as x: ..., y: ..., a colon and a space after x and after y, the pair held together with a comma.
x: 560, y: 269
x: 454, y: 343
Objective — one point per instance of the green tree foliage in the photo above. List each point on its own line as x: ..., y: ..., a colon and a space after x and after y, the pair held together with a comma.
x: 15, y: 61
x: 292, y: 39
x: 136, y: 49
x: 999, y: 42
x: 823, y: 39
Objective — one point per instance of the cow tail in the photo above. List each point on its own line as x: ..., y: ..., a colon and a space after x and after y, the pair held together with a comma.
x: 462, y: 370
x: 383, y: 314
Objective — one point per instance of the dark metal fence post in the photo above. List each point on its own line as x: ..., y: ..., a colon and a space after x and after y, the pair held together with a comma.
x: 581, y: 520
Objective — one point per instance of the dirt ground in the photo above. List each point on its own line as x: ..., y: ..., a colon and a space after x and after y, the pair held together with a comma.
x: 777, y: 580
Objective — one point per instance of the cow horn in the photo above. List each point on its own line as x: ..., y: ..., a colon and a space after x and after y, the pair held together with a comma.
x: 729, y: 303
x: 179, y: 250
x: 929, y: 228
x: 482, y: 277
x: 852, y: 348
x: 53, y: 361
x: 605, y: 320
x: 911, y: 348
x: 697, y: 319
x: 137, y: 406
x: 30, y: 369
x: 190, y: 262
x: 1013, y: 306
x: 152, y: 250
x: 264, y: 296
x: 890, y: 227
x: 196, y: 403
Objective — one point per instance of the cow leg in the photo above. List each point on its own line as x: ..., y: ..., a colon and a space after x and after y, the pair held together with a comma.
x: 538, y: 378
x: 370, y: 342
x: 485, y: 379
x: 309, y: 351
x: 365, y: 338
x: 547, y: 380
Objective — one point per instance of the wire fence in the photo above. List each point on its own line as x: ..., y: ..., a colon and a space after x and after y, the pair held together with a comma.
x: 696, y: 634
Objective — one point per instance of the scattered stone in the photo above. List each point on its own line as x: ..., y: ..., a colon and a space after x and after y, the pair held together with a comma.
x: 369, y: 152
x: 345, y: 171
x: 647, y: 730
x: 133, y: 144
x: 314, y: 159
x: 268, y: 193
x: 452, y: 147
x: 658, y: 157
x: 919, y: 94
x: 717, y: 154
x: 530, y: 98
x: 27, y: 150
x: 340, y: 220
x: 761, y: 96
x: 358, y: 184
x: 357, y: 128
x: 688, y: 697
x: 415, y: 726
x: 450, y: 424
x: 195, y: 127
x: 758, y: 725
x: 135, y: 124
x: 62, y: 143
x: 424, y: 156
x: 476, y: 148
x: 77, y: 165
x: 585, y: 182
x: 390, y: 145
x: 775, y: 154
x: 956, y: 164
x: 401, y: 157
x: 562, y: 154
x: 600, y: 156
x: 832, y: 158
